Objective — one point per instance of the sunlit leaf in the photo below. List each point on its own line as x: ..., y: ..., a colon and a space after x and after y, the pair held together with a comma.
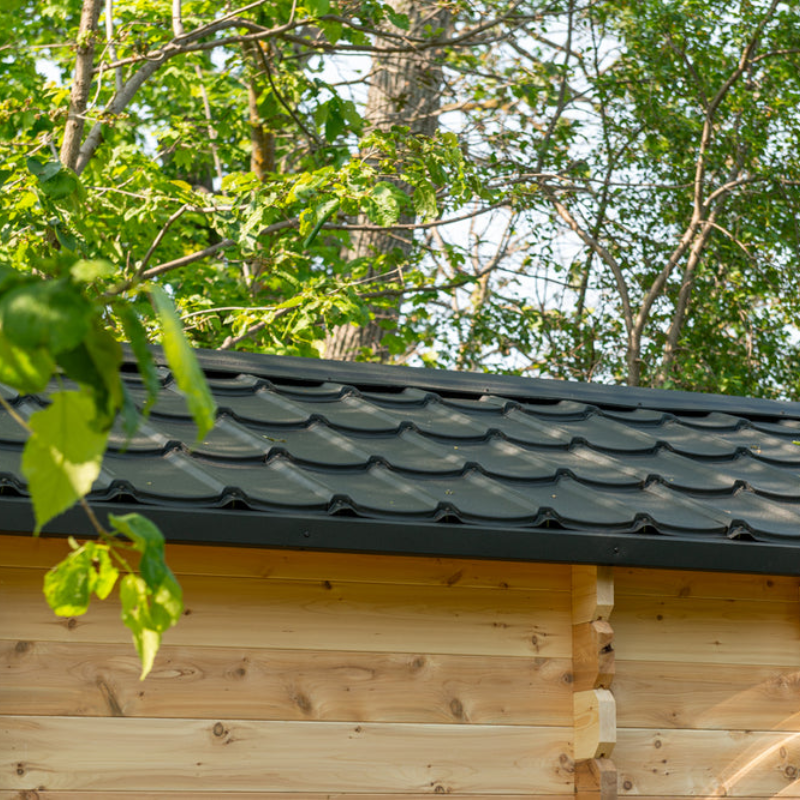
x: 62, y: 457
x: 183, y: 363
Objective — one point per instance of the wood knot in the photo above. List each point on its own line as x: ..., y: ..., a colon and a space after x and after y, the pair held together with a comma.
x: 302, y: 702
x: 71, y: 623
x: 187, y: 612
x: 657, y: 743
x: 627, y: 786
x: 455, y: 577
x: 790, y: 771
x: 20, y: 769
x: 456, y: 708
x: 22, y: 647
x: 417, y: 664
x: 327, y: 585
x: 439, y: 789
x: 219, y: 729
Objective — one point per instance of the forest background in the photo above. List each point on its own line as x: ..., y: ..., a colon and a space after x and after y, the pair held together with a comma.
x: 604, y: 190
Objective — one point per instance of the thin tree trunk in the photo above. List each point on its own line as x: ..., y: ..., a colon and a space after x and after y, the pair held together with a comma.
x: 404, y: 90
x: 262, y: 141
x: 81, y: 84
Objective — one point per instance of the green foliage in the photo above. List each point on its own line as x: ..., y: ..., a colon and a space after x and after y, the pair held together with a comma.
x: 152, y: 602
x: 87, y: 570
x: 63, y: 455
x: 184, y: 366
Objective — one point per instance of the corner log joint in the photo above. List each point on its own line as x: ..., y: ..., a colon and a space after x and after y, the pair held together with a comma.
x: 595, y: 718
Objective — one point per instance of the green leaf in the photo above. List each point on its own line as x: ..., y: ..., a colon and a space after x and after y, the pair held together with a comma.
x: 62, y: 457
x: 137, y: 338
x: 153, y: 602
x: 387, y: 202
x: 183, y: 363
x: 425, y: 202
x: 318, y: 8
x: 149, y: 541
x: 68, y: 585
x: 88, y: 271
x: 27, y: 370
x: 166, y: 593
x: 50, y: 314
x: 43, y: 171
x: 55, y: 180
x: 136, y: 616
x: 129, y: 414
x: 323, y: 213
x: 398, y: 20
x: 95, y: 363
x: 107, y: 573
x: 333, y: 30
x: 9, y: 277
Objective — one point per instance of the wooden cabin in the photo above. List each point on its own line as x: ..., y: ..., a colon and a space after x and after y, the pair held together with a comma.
x: 403, y: 582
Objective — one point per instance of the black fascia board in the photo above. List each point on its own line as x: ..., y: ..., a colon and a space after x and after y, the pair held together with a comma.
x: 381, y: 376
x: 243, y: 528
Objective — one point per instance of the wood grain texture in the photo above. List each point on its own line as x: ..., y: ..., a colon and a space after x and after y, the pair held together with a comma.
x: 33, y: 794
x: 593, y: 655
x: 713, y: 696
x: 688, y: 629
x: 719, y: 585
x: 236, y: 755
x: 595, y: 779
x: 86, y: 679
x: 592, y: 593
x: 595, y: 724
x: 247, y: 562
x: 708, y: 763
x: 270, y: 613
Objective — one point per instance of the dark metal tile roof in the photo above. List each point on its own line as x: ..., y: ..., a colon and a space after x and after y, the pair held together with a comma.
x: 324, y: 454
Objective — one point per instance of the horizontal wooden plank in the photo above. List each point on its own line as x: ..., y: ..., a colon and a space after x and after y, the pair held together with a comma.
x: 271, y: 613
x: 708, y: 763
x: 33, y: 794
x: 720, y: 585
x: 715, y: 696
x: 43, y: 552
x: 229, y: 755
x: 87, y: 679
x: 696, y: 630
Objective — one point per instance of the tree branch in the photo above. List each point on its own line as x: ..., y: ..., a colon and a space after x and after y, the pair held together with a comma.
x: 81, y: 84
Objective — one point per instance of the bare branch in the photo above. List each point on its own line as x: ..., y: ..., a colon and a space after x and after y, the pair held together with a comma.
x: 160, y: 235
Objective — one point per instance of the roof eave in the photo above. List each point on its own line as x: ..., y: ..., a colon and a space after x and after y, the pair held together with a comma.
x: 243, y: 528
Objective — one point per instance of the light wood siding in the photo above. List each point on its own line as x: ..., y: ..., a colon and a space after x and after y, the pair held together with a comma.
x: 293, y: 674
x: 707, y: 685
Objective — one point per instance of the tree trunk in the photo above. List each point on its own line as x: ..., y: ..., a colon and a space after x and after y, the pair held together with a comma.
x: 81, y: 84
x: 404, y: 90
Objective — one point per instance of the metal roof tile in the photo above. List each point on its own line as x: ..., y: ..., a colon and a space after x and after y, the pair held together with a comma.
x: 475, y: 455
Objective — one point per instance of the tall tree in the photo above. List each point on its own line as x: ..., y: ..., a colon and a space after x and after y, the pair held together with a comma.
x: 404, y: 93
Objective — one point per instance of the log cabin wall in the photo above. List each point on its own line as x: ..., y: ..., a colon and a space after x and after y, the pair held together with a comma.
x: 707, y: 685
x: 293, y: 675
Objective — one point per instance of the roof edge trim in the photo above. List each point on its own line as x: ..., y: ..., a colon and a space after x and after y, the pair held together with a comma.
x: 442, y: 540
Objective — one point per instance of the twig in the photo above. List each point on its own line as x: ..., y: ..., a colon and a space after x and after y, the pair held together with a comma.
x: 160, y: 235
